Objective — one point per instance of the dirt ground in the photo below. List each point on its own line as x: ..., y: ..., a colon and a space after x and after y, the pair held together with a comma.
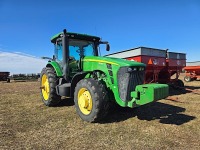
x: 25, y: 123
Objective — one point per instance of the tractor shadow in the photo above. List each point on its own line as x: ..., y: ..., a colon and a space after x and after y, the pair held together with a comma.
x: 193, y: 87
x: 165, y: 113
x: 187, y: 89
x: 66, y: 102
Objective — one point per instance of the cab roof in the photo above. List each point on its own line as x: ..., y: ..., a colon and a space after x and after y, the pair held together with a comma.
x: 73, y: 35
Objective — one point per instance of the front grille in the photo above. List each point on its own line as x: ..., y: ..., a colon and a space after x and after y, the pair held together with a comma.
x: 128, y: 79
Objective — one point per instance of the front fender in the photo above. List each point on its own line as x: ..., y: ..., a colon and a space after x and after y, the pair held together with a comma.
x: 77, y: 77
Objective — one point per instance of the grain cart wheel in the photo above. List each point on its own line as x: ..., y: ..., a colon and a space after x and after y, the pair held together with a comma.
x: 91, y: 100
x: 180, y: 83
x: 187, y: 78
x: 48, y: 82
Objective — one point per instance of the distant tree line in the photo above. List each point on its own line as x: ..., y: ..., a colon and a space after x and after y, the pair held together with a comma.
x: 32, y: 76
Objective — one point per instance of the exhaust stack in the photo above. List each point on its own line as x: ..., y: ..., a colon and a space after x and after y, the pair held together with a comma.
x: 65, y: 44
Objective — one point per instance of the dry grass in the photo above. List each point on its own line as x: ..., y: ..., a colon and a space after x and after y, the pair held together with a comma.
x: 25, y: 123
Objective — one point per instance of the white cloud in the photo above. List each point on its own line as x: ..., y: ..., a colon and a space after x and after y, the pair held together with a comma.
x: 20, y: 63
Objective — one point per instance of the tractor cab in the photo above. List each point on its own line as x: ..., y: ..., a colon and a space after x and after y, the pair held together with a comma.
x: 79, y: 46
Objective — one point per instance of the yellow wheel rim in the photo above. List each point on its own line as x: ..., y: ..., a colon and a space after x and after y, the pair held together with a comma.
x: 84, y: 101
x: 45, y: 87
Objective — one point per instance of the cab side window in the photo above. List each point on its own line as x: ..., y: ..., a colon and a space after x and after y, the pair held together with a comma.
x: 58, y: 51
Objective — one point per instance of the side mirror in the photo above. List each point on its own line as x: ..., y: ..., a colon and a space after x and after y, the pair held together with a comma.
x: 47, y: 58
x: 107, y: 47
x: 107, y: 44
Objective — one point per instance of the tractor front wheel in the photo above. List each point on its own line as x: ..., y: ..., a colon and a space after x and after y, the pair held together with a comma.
x: 91, y: 100
x: 48, y: 82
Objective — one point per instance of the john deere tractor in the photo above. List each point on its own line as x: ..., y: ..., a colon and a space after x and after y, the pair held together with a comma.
x: 94, y: 82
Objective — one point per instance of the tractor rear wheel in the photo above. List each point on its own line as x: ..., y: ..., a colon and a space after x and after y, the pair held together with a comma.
x: 48, y: 82
x: 187, y: 78
x: 91, y: 100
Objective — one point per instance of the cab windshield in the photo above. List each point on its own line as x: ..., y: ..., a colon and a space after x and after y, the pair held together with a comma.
x: 81, y: 48
x: 77, y: 49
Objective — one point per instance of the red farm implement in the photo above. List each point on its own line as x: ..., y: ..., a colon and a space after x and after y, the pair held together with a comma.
x: 192, y: 73
x: 175, y: 62
x: 161, y: 66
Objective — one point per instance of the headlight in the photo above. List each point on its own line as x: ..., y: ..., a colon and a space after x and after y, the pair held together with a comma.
x: 129, y: 69
x: 141, y: 69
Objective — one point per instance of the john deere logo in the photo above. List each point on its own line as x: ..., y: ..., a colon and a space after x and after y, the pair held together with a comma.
x: 155, y: 62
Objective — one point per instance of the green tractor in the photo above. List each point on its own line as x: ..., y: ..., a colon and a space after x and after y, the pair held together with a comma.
x: 94, y: 82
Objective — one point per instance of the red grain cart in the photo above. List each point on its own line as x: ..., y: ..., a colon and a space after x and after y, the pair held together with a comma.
x: 160, y: 64
x: 192, y: 73
x: 4, y: 76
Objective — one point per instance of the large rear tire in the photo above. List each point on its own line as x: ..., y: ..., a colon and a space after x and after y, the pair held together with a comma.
x: 48, y: 82
x: 91, y: 100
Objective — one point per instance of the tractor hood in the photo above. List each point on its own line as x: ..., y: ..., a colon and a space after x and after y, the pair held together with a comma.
x: 113, y: 61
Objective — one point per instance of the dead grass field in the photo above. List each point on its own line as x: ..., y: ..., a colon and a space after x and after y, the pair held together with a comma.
x: 25, y: 123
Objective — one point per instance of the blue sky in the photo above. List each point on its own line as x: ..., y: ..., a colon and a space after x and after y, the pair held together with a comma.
x: 26, y: 26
